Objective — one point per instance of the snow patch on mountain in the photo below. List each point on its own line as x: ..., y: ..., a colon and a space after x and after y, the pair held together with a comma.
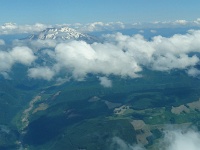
x: 63, y: 33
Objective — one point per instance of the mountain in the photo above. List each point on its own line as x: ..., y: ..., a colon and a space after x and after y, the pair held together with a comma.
x: 62, y: 33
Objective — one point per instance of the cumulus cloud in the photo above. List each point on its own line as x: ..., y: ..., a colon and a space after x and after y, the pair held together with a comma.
x: 161, y: 53
x: 105, y: 82
x: 6, y: 61
x: 82, y: 58
x: 43, y: 43
x: 101, y: 26
x: 141, y: 31
x: 125, y: 56
x: 181, y: 140
x: 9, y: 26
x: 119, y: 54
x: 174, y: 23
x: 2, y: 42
x: 23, y: 55
x: 5, y: 75
x: 41, y: 73
x: 36, y: 45
x: 13, y: 28
x: 181, y: 22
x: 169, y: 62
x: 153, y: 31
x: 112, y: 26
x: 193, y: 72
x: 197, y: 21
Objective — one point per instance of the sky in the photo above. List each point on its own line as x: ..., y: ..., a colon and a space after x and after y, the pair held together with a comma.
x: 87, y: 11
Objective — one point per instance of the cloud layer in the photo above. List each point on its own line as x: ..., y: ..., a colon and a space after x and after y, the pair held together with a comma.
x: 13, y: 28
x: 125, y: 56
x: 119, y: 55
x: 81, y: 58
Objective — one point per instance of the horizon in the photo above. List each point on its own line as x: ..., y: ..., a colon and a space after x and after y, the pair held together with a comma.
x: 14, y: 28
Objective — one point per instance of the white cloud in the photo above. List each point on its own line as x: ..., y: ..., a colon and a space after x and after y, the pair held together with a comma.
x: 112, y: 26
x: 82, y: 58
x: 23, y: 55
x: 141, y: 31
x: 36, y: 45
x: 105, y: 82
x: 6, y: 61
x: 13, y: 28
x: 170, y: 61
x: 41, y: 73
x: 181, y: 22
x: 120, y: 55
x: 174, y: 23
x: 100, y: 26
x: 76, y: 56
x: 181, y: 140
x: 197, y: 21
x: 2, y: 42
x: 153, y: 31
x: 124, y: 55
x: 161, y: 53
x: 5, y: 75
x: 193, y: 72
x: 9, y: 26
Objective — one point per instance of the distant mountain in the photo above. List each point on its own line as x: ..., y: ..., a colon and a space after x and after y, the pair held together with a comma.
x: 62, y: 33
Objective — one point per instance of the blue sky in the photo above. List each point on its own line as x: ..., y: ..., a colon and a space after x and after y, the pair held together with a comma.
x: 86, y: 11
